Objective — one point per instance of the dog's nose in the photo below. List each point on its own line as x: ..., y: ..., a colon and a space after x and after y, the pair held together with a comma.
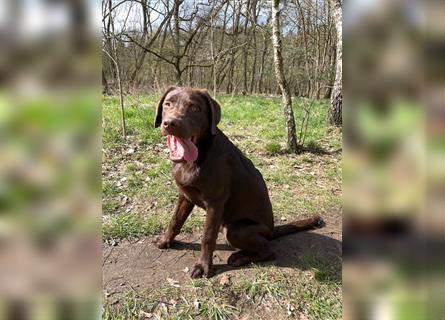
x: 169, y: 123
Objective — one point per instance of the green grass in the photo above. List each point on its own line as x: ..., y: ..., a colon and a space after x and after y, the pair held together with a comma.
x: 270, y: 293
x: 138, y: 199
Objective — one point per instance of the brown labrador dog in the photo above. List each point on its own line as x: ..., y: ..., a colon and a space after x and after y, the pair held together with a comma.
x: 214, y: 174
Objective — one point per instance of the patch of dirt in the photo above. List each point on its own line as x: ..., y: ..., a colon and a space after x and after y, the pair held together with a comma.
x: 135, y: 266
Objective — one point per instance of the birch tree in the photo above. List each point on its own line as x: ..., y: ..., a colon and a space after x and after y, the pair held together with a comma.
x: 281, y: 80
x: 335, y: 111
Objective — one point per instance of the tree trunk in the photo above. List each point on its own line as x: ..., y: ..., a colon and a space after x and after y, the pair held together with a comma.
x: 245, y: 49
x: 281, y: 81
x: 335, y: 112
x: 177, y: 42
x: 105, y: 88
x: 178, y: 73
x: 235, y: 29
x: 261, y: 72
x: 114, y: 56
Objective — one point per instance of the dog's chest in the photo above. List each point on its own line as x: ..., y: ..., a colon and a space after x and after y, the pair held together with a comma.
x: 187, y: 177
x: 186, y: 174
x: 194, y: 195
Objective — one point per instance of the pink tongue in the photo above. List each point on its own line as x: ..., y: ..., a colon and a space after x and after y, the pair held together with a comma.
x: 182, y: 149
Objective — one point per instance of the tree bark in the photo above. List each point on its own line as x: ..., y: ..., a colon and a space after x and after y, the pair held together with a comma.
x: 105, y: 88
x: 281, y: 80
x: 114, y: 56
x: 335, y: 111
x: 263, y: 57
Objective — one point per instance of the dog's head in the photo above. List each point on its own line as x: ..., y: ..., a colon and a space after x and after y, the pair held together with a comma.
x: 186, y: 115
x: 187, y: 112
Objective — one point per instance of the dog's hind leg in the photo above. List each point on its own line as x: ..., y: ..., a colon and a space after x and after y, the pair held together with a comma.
x: 252, y: 240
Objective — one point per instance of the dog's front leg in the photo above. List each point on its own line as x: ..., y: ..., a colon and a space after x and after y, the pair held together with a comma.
x: 204, y: 266
x: 183, y: 209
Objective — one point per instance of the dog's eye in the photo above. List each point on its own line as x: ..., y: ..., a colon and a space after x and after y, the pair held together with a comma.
x: 195, y: 108
x: 167, y: 104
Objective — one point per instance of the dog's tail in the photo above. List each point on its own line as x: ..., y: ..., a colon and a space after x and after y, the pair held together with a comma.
x: 297, y: 226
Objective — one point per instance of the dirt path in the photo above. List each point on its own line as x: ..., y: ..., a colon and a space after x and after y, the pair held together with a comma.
x: 135, y: 266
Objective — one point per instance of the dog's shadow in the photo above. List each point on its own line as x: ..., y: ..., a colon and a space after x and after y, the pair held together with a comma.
x: 304, y: 251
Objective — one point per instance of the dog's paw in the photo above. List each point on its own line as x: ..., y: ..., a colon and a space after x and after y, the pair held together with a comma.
x: 319, y: 222
x: 237, y: 259
x: 241, y: 258
x: 161, y: 242
x: 201, y: 269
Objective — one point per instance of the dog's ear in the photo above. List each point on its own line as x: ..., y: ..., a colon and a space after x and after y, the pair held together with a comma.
x: 158, y: 118
x: 214, y: 111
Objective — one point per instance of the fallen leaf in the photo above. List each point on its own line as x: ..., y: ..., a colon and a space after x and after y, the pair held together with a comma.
x: 172, y: 302
x: 225, y: 279
x: 174, y: 283
x: 145, y: 315
x: 129, y: 151
x: 185, y: 270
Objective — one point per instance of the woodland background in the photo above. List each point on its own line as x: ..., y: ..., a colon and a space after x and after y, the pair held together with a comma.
x: 222, y: 45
